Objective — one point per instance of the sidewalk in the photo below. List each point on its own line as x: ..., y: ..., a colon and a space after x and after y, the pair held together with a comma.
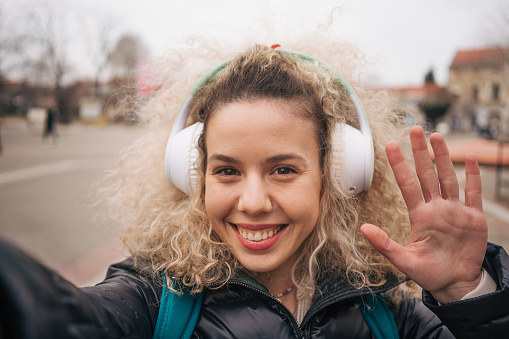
x: 91, y: 268
x: 48, y: 206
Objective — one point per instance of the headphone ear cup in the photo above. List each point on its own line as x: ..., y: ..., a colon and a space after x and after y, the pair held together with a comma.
x: 351, y: 162
x: 180, y: 158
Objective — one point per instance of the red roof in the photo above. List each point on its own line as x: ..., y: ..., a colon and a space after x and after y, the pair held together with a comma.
x: 429, y: 88
x: 480, y: 57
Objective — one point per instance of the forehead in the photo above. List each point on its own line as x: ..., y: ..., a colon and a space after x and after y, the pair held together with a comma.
x: 269, y: 114
x: 260, y: 127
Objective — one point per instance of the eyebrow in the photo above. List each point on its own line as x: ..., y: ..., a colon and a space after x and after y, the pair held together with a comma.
x: 273, y: 159
x: 223, y: 158
x: 283, y: 157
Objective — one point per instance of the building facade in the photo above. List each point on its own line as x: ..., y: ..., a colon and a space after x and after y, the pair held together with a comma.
x: 479, y: 85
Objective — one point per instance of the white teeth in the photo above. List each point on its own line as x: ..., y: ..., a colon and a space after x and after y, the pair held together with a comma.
x: 259, y: 236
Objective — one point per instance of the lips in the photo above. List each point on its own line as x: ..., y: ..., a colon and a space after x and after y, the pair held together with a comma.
x: 258, y: 237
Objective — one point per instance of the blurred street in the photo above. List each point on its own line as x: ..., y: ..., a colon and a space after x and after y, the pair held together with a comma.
x: 45, y: 194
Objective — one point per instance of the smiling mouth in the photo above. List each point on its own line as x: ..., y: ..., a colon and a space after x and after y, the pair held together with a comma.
x: 258, y: 235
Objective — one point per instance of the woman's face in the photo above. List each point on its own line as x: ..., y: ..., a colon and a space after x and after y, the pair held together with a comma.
x: 262, y: 182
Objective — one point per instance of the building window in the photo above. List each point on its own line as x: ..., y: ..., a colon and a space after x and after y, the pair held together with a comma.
x: 495, y: 94
x: 475, y: 93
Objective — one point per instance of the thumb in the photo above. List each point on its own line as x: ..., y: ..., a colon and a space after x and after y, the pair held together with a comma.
x: 385, y: 245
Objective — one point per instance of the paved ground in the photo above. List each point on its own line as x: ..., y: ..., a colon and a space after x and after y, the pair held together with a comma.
x: 46, y: 209
x: 46, y: 204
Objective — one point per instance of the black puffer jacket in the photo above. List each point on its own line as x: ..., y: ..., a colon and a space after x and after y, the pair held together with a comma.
x: 37, y: 303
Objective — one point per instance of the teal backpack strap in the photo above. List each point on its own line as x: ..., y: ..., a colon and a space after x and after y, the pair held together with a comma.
x: 379, y: 317
x: 177, y: 314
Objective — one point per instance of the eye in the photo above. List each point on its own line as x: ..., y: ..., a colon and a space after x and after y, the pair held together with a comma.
x: 226, y: 172
x: 284, y: 170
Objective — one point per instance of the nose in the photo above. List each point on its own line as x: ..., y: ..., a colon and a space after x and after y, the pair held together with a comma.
x: 255, y: 197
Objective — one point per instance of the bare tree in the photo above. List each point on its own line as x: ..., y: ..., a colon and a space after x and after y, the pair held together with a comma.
x: 128, y: 50
x: 498, y: 31
x: 54, y: 35
x: 501, y: 43
x: 13, y: 41
x: 8, y: 45
x: 99, y: 40
x: 51, y: 30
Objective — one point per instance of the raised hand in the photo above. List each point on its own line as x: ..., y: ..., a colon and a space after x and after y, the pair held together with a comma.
x: 448, y: 239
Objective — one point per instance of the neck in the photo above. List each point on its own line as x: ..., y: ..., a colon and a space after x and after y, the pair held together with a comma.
x: 280, y: 279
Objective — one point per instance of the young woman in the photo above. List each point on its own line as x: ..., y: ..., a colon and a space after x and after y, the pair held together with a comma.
x: 276, y: 186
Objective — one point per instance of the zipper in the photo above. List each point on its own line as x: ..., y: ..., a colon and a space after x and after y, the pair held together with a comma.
x: 288, y: 312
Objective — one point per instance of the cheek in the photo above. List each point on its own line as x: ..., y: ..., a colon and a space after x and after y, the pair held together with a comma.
x: 308, y: 213
x: 312, y: 202
x: 303, y: 209
x: 217, y: 205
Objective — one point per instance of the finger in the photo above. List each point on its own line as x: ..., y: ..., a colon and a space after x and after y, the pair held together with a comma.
x: 424, y: 165
x: 449, y: 186
x: 407, y: 182
x: 386, y: 246
x: 473, y: 197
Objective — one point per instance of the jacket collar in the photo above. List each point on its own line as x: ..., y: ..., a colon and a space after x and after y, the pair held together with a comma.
x: 332, y: 288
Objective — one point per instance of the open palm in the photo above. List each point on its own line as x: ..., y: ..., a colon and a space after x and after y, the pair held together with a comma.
x: 448, y: 239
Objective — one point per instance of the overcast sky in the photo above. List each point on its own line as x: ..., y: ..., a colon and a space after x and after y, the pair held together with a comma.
x: 406, y: 37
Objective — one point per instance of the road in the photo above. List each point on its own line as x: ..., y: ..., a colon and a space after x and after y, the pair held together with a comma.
x: 47, y: 192
x: 47, y: 207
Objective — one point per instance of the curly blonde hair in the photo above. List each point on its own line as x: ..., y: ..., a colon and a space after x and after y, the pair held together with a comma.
x: 170, y: 231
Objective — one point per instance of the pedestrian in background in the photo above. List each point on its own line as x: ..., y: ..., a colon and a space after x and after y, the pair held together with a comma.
x: 50, y: 124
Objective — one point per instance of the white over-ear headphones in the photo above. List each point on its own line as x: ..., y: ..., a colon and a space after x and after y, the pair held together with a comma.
x: 352, y: 150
